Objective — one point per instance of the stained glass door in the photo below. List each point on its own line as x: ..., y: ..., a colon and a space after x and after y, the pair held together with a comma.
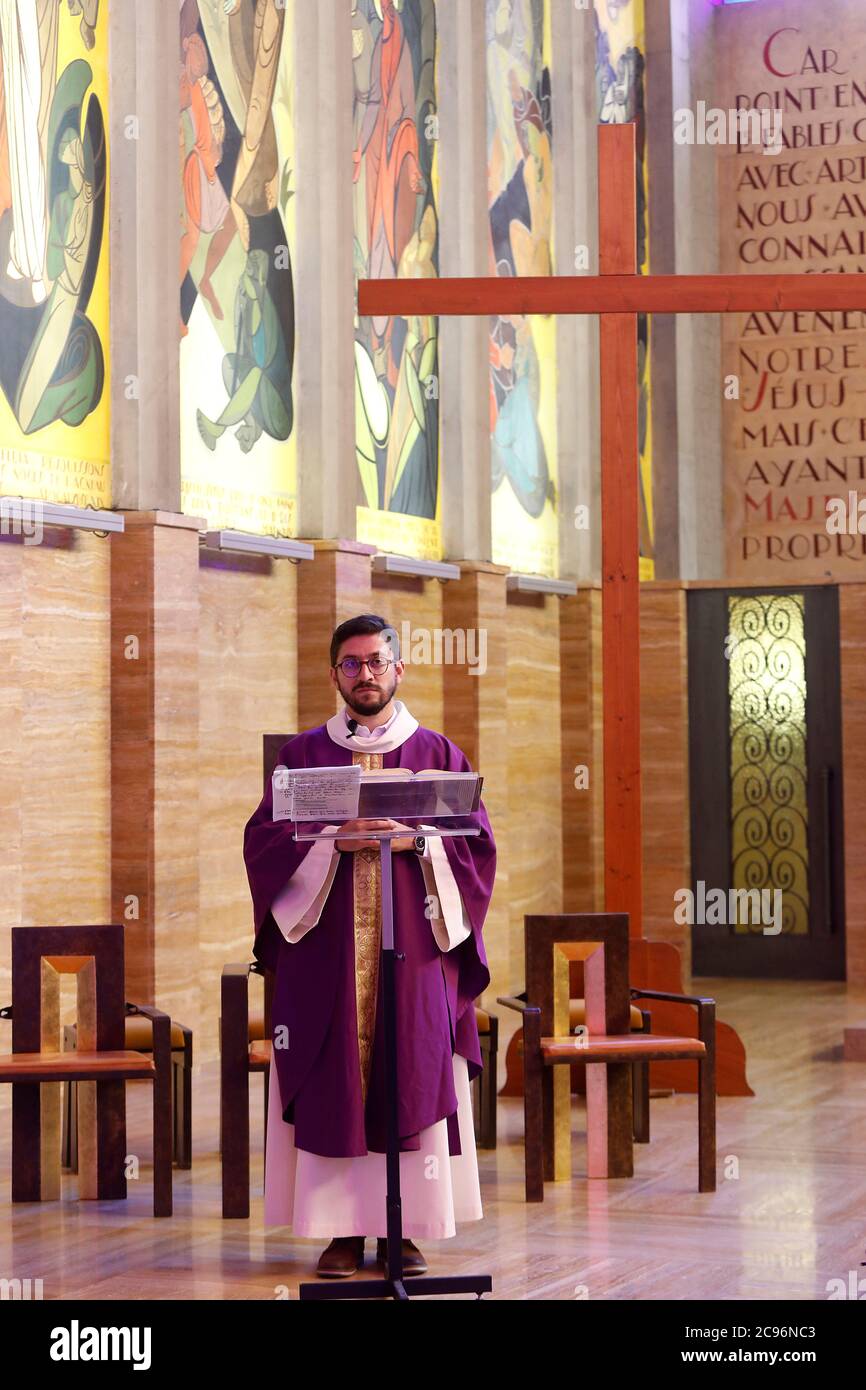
x: 766, y: 793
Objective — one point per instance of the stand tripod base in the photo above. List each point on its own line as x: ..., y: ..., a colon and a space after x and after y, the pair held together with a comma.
x: 397, y: 1288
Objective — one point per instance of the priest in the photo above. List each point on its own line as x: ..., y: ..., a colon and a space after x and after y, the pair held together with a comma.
x: 317, y: 913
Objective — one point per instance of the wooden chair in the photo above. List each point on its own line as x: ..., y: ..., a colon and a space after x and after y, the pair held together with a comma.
x: 138, y: 1037
x: 640, y: 1022
x: 101, y: 1066
x: 609, y: 1050
x: 245, y: 1047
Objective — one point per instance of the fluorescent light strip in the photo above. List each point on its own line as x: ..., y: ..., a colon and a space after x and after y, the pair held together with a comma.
x: 245, y: 543
x: 419, y: 569
x: 30, y: 509
x: 535, y: 584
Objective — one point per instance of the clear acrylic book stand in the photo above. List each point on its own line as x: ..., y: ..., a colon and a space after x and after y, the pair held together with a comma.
x: 380, y: 803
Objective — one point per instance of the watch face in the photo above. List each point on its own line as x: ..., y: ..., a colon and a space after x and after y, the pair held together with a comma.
x: 420, y: 844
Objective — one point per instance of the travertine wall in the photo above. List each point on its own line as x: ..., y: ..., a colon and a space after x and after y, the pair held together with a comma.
x: 417, y: 602
x: 54, y: 735
x: 665, y: 761
x: 532, y: 697
x: 248, y: 673
x: 527, y: 722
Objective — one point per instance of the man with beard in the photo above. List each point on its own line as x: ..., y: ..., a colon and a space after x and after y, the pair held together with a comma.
x: 317, y: 910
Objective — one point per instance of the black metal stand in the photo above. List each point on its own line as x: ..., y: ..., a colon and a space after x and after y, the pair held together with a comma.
x: 395, y: 1285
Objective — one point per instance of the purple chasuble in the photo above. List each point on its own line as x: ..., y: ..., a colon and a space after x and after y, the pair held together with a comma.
x: 314, y: 995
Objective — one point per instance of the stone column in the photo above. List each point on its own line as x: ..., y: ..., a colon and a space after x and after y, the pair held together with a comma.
x: 336, y: 586
x: 476, y: 718
x: 144, y: 231
x: 575, y: 231
x: 464, y: 250
x: 154, y: 564
x: 324, y: 279
x: 663, y: 327
x: 582, y: 756
x: 154, y: 763
x: 698, y: 339
x: 666, y: 790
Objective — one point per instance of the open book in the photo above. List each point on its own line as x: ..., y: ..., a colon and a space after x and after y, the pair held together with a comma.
x: 405, y: 774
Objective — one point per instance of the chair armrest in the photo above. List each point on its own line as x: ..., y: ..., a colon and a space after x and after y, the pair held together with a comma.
x: 249, y: 968
x: 161, y: 1023
x: 670, y: 998
x: 706, y: 1010
x: 232, y: 988
x: 520, y: 1005
x: 146, y: 1011
x: 235, y: 1012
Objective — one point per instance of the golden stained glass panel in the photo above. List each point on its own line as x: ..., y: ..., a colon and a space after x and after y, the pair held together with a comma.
x: 769, y: 805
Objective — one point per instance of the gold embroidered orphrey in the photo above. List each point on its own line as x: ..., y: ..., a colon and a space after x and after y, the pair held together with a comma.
x: 367, y: 885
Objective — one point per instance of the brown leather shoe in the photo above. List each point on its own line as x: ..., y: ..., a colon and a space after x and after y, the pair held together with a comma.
x: 342, y: 1258
x: 413, y: 1260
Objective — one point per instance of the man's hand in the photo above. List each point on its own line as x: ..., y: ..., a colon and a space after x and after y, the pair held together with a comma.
x: 402, y: 842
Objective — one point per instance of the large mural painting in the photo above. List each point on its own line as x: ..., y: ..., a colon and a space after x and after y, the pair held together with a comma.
x: 396, y: 234
x: 620, y: 45
x: 237, y: 250
x: 522, y: 349
x: 54, y: 401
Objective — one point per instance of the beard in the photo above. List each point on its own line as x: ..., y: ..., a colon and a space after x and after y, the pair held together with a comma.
x: 369, y: 704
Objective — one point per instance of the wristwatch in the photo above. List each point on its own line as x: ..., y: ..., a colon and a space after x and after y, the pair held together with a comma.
x: 420, y: 844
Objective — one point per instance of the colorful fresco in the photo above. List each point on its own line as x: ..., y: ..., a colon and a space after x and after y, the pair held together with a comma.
x: 54, y: 403
x: 396, y: 234
x: 619, y: 74
x: 237, y: 249
x: 522, y: 349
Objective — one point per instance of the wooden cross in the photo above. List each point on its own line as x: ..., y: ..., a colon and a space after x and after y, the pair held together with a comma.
x: 617, y: 295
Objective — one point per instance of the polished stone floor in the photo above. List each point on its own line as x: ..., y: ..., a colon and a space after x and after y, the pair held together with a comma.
x: 788, y: 1217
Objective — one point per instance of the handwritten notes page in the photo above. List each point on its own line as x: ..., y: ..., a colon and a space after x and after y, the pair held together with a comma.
x: 317, y: 793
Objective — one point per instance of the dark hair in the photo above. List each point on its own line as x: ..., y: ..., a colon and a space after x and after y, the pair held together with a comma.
x: 359, y: 627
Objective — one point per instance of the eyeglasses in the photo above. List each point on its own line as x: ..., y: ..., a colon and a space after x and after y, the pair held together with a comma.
x: 352, y: 666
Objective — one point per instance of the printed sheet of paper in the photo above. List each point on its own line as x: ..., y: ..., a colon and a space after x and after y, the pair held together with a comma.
x: 316, y: 793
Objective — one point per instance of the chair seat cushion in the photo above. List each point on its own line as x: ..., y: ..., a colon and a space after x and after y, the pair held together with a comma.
x: 256, y: 1025
x: 74, y: 1066
x: 138, y: 1033
x: 577, y: 1014
x: 625, y: 1047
